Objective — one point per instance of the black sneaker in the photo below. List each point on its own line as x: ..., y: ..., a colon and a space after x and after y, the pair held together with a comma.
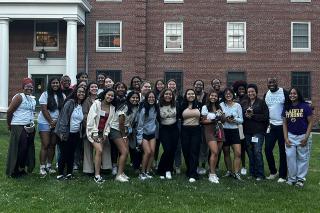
x: 299, y: 183
x: 68, y: 177
x: 237, y: 176
x: 60, y: 177
x: 98, y: 179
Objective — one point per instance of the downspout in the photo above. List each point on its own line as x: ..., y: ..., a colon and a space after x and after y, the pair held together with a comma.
x: 86, y: 53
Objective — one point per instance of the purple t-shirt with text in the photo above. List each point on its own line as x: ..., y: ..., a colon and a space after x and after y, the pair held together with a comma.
x: 297, y: 118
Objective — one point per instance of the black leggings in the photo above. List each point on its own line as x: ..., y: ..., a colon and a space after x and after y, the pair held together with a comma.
x: 67, y: 149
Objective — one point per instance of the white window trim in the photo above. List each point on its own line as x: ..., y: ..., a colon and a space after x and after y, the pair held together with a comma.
x: 301, y: 1
x: 238, y: 50
x: 173, y: 1
x: 49, y: 49
x: 236, y: 1
x: 108, y: 49
x: 309, y: 37
x: 109, y: 0
x: 172, y: 50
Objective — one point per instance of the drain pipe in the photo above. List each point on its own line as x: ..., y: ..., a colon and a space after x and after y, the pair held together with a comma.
x: 86, y: 53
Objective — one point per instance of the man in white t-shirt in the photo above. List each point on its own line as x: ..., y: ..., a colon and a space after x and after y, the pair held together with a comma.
x: 275, y: 99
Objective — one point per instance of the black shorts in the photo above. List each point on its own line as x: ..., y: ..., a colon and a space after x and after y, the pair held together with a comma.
x: 231, y: 137
x: 148, y: 137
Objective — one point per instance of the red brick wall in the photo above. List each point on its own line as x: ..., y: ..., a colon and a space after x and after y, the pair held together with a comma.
x: 131, y: 61
x: 21, y: 37
x: 205, y: 57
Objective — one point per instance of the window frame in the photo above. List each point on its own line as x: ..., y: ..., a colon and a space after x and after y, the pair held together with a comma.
x: 49, y: 49
x: 173, y: 1
x: 112, y: 76
x: 108, y: 49
x: 172, y: 50
x: 237, y: 50
x: 237, y: 72
x: 309, y: 84
x: 236, y: 1
x: 180, y: 72
x: 293, y: 49
x: 300, y: 1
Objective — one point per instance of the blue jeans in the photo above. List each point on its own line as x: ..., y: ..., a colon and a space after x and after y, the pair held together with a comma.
x: 254, y: 150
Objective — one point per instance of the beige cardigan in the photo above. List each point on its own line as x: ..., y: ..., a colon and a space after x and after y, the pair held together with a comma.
x: 94, y: 118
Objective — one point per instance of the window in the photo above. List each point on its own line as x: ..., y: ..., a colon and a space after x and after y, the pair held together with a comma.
x: 46, y: 35
x: 173, y: 37
x: 236, y: 37
x: 302, y: 81
x: 300, y: 0
x: 233, y: 76
x: 300, y: 36
x: 177, y: 76
x: 236, y: 1
x: 173, y: 1
x: 115, y: 75
x: 109, y: 36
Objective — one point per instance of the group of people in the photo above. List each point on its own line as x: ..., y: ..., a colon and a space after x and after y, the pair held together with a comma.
x: 97, y: 125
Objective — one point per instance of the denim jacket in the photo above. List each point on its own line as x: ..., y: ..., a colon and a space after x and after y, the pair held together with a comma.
x: 146, y: 125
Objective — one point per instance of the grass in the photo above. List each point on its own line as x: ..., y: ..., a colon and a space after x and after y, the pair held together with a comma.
x: 35, y: 194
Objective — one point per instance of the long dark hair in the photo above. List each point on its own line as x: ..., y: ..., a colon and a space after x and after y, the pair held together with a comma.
x: 161, y: 98
x: 156, y: 91
x: 145, y: 104
x: 52, y: 105
x: 209, y: 104
x: 102, y: 96
x: 73, y: 95
x: 88, y: 87
x: 131, y: 82
x: 129, y: 104
x: 288, y: 104
x: 185, y: 102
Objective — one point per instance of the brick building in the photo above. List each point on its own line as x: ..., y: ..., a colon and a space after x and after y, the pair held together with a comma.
x: 162, y: 39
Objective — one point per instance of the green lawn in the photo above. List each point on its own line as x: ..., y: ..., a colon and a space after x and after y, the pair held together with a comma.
x: 34, y: 194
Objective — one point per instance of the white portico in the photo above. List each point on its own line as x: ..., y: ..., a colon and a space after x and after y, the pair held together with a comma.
x: 71, y: 11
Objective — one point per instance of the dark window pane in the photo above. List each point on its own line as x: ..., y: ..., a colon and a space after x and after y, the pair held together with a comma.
x: 235, y: 76
x: 115, y: 75
x: 302, y: 81
x: 177, y: 76
x: 46, y: 34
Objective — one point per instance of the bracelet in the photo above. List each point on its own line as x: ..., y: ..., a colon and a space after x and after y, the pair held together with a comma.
x: 125, y: 137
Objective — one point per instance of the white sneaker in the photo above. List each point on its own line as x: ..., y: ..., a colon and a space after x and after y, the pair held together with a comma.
x: 168, y: 175
x: 125, y: 176
x: 114, y: 170
x: 272, y: 176
x: 281, y: 180
x: 121, y: 178
x: 192, y: 180
x: 148, y: 175
x: 213, y: 178
x: 243, y: 171
x: 43, y: 172
x: 201, y: 171
x: 142, y: 176
x: 162, y: 177
x: 259, y: 179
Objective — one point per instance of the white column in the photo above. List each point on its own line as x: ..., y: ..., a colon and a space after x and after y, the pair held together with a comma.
x: 71, y: 50
x: 4, y: 64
